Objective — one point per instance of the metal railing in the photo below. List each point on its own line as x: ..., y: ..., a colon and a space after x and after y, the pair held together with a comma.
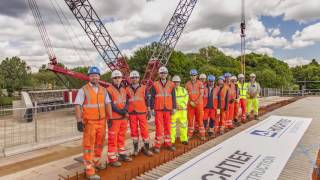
x: 32, y: 126
x: 266, y: 92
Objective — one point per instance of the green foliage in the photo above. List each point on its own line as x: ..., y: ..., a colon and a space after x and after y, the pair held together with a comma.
x: 15, y: 73
x: 4, y: 100
x: 309, y: 72
x: 270, y: 71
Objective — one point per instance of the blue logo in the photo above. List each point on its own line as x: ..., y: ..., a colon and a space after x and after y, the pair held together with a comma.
x: 264, y: 133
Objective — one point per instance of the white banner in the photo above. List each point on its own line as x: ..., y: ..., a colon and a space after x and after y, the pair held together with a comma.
x: 259, y: 152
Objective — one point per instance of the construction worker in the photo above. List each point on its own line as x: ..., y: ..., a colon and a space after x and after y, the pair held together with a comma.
x: 119, y: 121
x: 243, y: 89
x: 203, y: 79
x: 231, y: 98
x: 221, y: 102
x: 163, y: 105
x: 138, y: 109
x: 92, y: 109
x: 234, y: 116
x: 209, y: 111
x: 252, y: 97
x: 195, y: 90
x: 182, y: 99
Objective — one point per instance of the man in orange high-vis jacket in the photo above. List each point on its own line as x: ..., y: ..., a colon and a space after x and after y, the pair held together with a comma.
x: 163, y: 105
x: 221, y: 102
x: 208, y: 105
x: 119, y: 121
x: 236, y: 103
x: 139, y: 108
x: 195, y: 90
x: 92, y: 109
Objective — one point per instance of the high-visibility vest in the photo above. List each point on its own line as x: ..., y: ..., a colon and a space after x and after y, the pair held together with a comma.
x: 181, y: 97
x: 232, y: 92
x: 194, y: 91
x: 222, y: 95
x: 253, y: 90
x: 137, y: 103
x: 163, y: 97
x: 119, y: 98
x: 243, y: 89
x: 207, y: 97
x: 93, y: 107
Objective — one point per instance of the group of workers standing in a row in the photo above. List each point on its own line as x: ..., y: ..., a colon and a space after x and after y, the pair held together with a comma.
x: 202, y: 106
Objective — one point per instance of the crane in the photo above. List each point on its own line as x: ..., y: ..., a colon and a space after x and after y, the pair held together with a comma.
x: 163, y: 50
x: 99, y: 36
x: 53, y: 65
x: 243, y: 38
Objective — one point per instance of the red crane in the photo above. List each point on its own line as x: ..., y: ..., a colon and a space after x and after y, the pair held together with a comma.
x: 53, y: 65
x: 162, y: 52
x: 99, y: 36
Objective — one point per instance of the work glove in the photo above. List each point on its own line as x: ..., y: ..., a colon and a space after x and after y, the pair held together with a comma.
x: 149, y: 115
x: 218, y: 111
x: 80, y: 126
x: 123, y: 112
x: 173, y: 111
x: 109, y: 123
x: 192, y: 104
x: 231, y: 101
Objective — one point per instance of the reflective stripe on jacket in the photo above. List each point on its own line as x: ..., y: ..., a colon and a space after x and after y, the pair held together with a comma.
x: 94, y: 103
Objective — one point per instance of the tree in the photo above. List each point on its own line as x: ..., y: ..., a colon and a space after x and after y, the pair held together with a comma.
x: 16, y: 73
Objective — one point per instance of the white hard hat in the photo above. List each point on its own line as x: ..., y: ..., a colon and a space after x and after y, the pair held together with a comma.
x: 203, y: 76
x: 116, y: 73
x: 134, y: 74
x: 252, y: 75
x: 176, y: 78
x: 240, y: 76
x: 163, y: 69
x: 233, y: 78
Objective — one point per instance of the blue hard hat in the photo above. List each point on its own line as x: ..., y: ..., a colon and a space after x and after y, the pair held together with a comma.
x: 221, y: 78
x: 193, y: 72
x: 93, y: 70
x: 227, y: 74
x: 211, y: 78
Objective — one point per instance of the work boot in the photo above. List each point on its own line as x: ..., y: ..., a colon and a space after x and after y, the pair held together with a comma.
x: 248, y: 117
x: 94, y: 177
x: 135, y: 148
x: 156, y: 150
x: 205, y: 124
x: 210, y: 134
x: 146, y: 150
x: 100, y: 166
x: 256, y: 117
x: 185, y: 142
x: 125, y: 158
x: 171, y: 148
x: 115, y: 164
x: 203, y: 138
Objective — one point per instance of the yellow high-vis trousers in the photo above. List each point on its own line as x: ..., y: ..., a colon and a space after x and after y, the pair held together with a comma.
x: 252, y: 102
x: 181, y: 117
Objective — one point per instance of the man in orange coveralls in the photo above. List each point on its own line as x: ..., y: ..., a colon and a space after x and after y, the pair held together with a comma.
x: 221, y: 102
x: 92, y: 108
x: 119, y: 122
x: 195, y: 90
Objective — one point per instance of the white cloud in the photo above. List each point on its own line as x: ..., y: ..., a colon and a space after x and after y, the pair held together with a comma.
x: 266, y: 51
x: 274, y: 42
x: 308, y: 36
x: 298, y: 61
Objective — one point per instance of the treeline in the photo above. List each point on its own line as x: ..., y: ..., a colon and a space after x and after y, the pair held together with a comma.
x: 271, y: 72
